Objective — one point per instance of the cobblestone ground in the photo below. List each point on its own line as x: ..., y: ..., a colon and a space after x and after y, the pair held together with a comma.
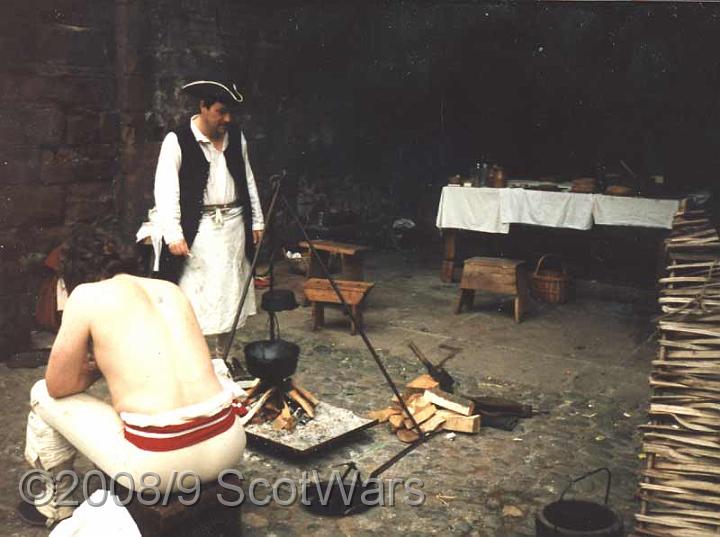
x: 584, y: 363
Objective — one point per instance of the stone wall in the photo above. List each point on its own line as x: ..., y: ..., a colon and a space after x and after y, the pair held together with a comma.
x: 58, y: 133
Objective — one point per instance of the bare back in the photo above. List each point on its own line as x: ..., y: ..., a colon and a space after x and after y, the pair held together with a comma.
x: 148, y: 345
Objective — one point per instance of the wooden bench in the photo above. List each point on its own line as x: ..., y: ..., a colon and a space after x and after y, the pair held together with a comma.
x: 351, y: 258
x: 319, y: 292
x: 494, y: 275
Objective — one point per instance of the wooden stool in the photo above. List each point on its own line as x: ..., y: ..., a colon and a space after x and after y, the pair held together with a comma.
x: 494, y: 275
x: 351, y: 257
x: 319, y: 292
x: 205, y: 516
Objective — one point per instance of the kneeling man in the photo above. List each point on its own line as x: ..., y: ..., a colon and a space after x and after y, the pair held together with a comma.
x: 171, y: 414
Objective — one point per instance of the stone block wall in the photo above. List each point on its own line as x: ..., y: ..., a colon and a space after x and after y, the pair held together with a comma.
x: 58, y: 134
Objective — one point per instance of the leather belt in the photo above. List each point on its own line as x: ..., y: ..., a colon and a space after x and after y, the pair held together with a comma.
x: 211, y: 208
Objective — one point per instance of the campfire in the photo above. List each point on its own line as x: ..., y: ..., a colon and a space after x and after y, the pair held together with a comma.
x: 274, y: 396
x: 284, y: 403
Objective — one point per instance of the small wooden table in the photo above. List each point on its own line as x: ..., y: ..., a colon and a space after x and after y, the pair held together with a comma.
x: 351, y: 256
x: 319, y: 292
x: 494, y: 275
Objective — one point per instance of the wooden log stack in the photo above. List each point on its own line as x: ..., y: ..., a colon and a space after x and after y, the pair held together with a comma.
x: 432, y: 408
x: 679, y: 487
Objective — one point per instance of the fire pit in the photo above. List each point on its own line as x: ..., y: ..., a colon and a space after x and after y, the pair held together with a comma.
x: 330, y: 425
x: 275, y: 397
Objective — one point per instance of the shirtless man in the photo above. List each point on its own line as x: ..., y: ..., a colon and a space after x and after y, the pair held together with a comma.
x: 171, y: 413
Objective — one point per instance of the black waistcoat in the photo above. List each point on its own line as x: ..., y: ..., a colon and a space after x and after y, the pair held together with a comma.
x: 193, y: 178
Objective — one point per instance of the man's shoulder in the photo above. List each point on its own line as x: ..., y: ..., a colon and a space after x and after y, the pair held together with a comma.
x: 184, y: 130
x: 122, y: 281
x: 118, y: 283
x: 122, y: 290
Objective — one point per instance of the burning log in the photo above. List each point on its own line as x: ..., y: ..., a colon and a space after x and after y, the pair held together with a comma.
x: 285, y: 404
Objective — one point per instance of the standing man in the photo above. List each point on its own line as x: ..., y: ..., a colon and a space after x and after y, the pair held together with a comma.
x: 209, y: 211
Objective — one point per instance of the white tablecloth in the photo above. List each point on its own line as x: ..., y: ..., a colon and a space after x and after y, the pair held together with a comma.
x: 644, y: 212
x: 552, y: 209
x: 475, y: 209
x: 492, y: 210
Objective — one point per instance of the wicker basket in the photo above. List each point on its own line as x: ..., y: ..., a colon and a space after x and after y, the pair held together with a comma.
x: 551, y: 286
x: 299, y: 265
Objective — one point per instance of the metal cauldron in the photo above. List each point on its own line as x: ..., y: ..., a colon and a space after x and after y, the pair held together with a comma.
x: 271, y: 360
x: 579, y: 518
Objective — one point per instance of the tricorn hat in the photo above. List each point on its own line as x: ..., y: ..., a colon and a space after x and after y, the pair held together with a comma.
x: 225, y: 92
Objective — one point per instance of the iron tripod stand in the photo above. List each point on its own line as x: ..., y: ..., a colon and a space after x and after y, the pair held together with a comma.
x: 276, y: 180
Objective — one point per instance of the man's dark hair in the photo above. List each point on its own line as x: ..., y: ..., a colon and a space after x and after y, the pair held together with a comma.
x: 92, y: 254
x: 207, y: 102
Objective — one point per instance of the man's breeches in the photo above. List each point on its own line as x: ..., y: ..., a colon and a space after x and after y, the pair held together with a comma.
x: 58, y: 427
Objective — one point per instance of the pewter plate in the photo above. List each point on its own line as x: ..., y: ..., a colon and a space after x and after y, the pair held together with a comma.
x: 329, y: 425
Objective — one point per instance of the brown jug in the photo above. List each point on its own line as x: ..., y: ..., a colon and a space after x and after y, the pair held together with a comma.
x: 497, y: 177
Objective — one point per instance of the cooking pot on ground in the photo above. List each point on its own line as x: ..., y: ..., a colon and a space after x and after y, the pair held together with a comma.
x: 579, y: 518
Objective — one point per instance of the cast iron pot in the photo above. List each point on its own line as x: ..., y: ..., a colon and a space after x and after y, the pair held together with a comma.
x: 272, y: 360
x: 277, y: 300
x: 579, y: 518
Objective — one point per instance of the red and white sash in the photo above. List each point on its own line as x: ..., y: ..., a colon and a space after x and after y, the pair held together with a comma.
x: 188, y: 433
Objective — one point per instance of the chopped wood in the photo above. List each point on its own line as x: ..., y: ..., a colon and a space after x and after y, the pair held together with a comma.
x: 257, y: 405
x: 250, y: 392
x: 247, y: 384
x: 421, y: 416
x: 396, y: 421
x: 433, y: 424
x: 418, y: 404
x: 383, y: 415
x: 407, y: 436
x: 300, y: 400
x: 285, y: 420
x: 306, y: 394
x: 449, y: 401
x: 460, y: 424
x: 407, y: 398
x: 422, y: 383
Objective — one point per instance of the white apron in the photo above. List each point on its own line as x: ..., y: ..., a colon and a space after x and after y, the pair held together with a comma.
x: 215, y: 275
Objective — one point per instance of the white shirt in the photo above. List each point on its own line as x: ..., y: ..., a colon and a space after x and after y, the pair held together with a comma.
x: 220, y: 186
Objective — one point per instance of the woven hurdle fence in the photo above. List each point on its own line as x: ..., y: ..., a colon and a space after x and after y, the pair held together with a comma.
x: 679, y: 487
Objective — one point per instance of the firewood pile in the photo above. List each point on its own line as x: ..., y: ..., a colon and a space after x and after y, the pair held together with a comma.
x: 432, y: 408
x: 285, y: 404
x: 680, y: 485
